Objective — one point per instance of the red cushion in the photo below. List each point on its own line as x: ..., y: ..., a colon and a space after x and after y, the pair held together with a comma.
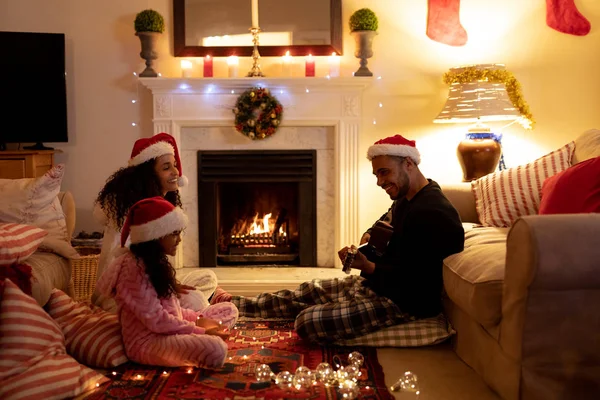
x: 575, y: 190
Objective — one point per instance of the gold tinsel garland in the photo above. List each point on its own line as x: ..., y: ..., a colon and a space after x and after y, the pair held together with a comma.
x: 513, y: 87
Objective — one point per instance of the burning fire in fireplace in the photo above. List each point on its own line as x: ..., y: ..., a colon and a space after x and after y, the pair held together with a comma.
x: 259, y: 232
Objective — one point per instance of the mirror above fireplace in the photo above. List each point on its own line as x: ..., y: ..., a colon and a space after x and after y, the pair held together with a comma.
x: 220, y: 28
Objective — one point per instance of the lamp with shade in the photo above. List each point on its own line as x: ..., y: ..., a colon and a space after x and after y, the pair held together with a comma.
x: 478, y: 95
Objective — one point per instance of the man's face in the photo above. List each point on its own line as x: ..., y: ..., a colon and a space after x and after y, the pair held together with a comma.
x: 391, y: 175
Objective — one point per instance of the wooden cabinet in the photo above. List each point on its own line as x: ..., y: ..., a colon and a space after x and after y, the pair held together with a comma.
x: 25, y: 163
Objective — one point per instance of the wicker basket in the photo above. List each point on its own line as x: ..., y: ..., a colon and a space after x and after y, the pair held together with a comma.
x: 84, y: 276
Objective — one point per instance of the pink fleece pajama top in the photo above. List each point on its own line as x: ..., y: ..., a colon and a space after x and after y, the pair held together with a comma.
x: 159, y: 331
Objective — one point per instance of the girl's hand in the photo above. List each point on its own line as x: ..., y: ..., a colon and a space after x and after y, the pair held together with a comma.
x: 213, y: 327
x: 221, y: 332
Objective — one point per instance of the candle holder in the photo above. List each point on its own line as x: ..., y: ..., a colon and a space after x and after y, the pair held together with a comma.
x: 255, y: 70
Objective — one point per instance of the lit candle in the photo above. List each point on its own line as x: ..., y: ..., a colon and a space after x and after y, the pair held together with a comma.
x: 232, y: 63
x: 334, y: 66
x: 255, y: 13
x: 208, y: 67
x: 186, y: 68
x: 286, y: 64
x: 310, y: 66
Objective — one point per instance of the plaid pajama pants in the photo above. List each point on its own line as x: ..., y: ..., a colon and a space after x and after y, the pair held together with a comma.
x: 326, y: 310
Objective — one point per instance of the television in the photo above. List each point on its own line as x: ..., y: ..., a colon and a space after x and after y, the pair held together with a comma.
x: 34, y: 87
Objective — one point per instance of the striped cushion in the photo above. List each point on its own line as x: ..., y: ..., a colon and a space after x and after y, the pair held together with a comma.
x: 18, y: 242
x: 502, y: 197
x: 33, y: 360
x: 93, y: 336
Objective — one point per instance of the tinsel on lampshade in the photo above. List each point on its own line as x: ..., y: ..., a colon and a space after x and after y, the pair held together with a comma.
x: 483, y: 93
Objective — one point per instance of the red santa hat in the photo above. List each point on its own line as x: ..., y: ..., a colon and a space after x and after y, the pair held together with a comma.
x: 150, y: 219
x: 146, y: 149
x: 394, y: 146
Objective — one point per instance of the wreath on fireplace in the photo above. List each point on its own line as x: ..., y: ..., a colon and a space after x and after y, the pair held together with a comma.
x: 257, y: 113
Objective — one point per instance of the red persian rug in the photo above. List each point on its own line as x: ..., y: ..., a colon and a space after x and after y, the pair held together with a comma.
x: 251, y: 344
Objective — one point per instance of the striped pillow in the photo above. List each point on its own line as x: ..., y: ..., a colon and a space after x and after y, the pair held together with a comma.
x: 18, y: 242
x: 93, y: 336
x: 33, y: 360
x: 502, y: 197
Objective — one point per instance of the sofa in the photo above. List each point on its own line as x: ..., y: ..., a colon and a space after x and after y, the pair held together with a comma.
x: 524, y: 299
x: 38, y: 202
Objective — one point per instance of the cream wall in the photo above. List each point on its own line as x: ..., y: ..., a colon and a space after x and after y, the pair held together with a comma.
x: 558, y: 72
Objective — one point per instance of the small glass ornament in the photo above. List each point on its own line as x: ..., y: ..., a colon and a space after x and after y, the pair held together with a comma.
x: 303, y: 378
x: 263, y: 373
x: 348, y: 389
x: 356, y: 359
x: 284, y: 380
x: 352, y: 372
x: 325, y: 374
x: 407, y: 382
x: 341, y: 374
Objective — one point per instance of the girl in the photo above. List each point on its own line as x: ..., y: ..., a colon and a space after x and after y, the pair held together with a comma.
x: 156, y: 329
x: 154, y: 170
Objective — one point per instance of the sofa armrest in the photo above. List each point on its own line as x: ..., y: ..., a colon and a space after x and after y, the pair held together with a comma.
x: 550, y: 314
x: 68, y: 205
x: 461, y: 197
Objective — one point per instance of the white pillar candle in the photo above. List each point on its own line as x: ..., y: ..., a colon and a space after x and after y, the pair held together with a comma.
x: 255, y: 13
x: 334, y: 65
x: 286, y: 64
x: 233, y: 63
x: 186, y: 68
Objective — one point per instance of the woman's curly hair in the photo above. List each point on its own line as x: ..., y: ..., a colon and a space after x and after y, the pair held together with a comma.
x: 129, y: 185
x: 158, y: 268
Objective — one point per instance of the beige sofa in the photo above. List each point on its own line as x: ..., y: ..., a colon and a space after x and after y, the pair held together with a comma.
x: 525, y: 302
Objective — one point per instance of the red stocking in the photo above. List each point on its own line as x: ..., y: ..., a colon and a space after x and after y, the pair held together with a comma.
x: 443, y: 23
x: 563, y: 16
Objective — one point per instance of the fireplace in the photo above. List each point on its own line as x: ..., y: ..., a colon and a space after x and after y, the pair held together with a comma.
x: 320, y: 114
x: 257, y: 207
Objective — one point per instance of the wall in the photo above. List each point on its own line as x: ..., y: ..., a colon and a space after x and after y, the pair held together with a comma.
x: 558, y: 73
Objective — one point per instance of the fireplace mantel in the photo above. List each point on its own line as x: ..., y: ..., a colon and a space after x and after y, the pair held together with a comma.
x: 180, y: 103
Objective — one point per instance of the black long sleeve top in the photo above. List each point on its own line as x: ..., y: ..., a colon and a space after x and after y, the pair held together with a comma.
x: 427, y: 229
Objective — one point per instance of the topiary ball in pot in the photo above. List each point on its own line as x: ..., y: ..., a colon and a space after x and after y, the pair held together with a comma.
x: 149, y: 25
x: 363, y: 26
x: 363, y: 20
x: 149, y: 21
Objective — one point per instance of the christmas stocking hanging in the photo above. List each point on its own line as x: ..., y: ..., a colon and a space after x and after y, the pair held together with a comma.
x: 564, y: 16
x: 443, y: 23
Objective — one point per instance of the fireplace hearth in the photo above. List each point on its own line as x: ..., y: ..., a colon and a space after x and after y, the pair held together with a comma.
x: 257, y: 208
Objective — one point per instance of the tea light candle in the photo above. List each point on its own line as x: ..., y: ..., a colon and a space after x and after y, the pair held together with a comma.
x: 233, y: 63
x: 310, y: 66
x: 186, y: 68
x: 286, y: 64
x: 208, y: 67
x: 334, y: 65
x: 255, y: 13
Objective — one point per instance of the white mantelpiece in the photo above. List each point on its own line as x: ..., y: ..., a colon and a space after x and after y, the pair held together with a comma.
x: 180, y: 103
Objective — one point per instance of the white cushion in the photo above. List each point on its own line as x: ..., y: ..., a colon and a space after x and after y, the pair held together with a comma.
x: 34, y: 201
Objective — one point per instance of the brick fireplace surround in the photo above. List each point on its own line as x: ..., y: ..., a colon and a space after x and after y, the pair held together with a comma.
x: 319, y: 113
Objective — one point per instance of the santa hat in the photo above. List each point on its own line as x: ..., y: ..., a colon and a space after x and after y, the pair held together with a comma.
x: 150, y: 219
x: 146, y: 149
x: 394, y: 146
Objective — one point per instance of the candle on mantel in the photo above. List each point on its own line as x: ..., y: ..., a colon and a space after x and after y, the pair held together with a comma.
x: 186, y: 68
x: 208, y: 67
x: 334, y: 65
x: 255, y: 13
x: 233, y: 63
x: 286, y: 64
x: 310, y: 66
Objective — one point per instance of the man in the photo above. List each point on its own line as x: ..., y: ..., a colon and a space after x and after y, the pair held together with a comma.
x: 404, y: 284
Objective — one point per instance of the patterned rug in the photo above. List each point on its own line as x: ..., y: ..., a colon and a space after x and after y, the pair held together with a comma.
x: 252, y: 343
